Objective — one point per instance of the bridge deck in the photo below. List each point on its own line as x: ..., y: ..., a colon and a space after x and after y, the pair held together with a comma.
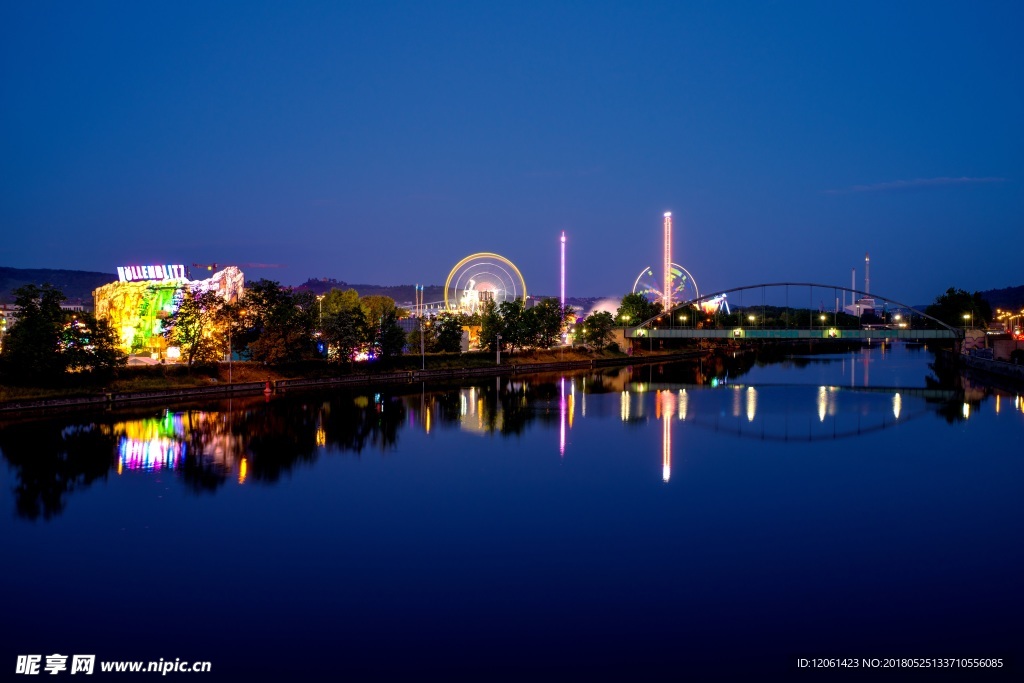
x: 756, y: 333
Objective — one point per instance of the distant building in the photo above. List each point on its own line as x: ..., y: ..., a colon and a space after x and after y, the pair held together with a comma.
x: 861, y: 306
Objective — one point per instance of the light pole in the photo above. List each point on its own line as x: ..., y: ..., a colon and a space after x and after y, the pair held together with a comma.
x: 499, y: 349
x: 320, y: 300
x: 423, y: 352
x: 968, y: 316
x: 751, y: 319
x: 229, y: 355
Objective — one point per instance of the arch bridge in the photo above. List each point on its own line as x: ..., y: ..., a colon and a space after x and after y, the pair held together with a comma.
x: 756, y: 315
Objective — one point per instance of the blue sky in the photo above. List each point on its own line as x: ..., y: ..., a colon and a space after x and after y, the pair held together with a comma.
x: 383, y: 142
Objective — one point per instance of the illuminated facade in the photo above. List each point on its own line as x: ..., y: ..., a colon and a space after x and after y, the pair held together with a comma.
x: 136, y: 305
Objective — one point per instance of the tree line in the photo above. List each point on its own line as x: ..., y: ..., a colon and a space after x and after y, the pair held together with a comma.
x: 276, y: 325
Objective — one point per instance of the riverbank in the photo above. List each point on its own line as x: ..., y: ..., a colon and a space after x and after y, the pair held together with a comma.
x: 155, y: 383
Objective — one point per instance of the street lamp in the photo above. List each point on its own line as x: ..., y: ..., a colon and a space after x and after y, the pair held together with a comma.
x: 499, y: 349
x: 320, y: 300
x: 751, y: 319
x: 968, y: 316
x: 423, y: 347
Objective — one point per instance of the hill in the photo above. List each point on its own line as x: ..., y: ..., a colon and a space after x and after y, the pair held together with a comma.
x: 405, y: 295
x: 77, y: 285
x: 1007, y: 298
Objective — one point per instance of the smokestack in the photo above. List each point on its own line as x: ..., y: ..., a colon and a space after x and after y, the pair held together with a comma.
x: 666, y: 292
x: 867, y: 273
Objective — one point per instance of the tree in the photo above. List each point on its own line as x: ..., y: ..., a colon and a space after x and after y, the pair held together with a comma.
x: 337, y: 300
x: 635, y: 308
x: 32, y: 348
x: 194, y: 327
x: 344, y: 333
x: 952, y: 306
x: 376, y: 306
x: 598, y: 329
x: 277, y: 324
x: 89, y: 344
x: 491, y: 325
x: 548, y: 319
x: 448, y: 332
x: 426, y: 328
x: 515, y: 329
x: 388, y: 336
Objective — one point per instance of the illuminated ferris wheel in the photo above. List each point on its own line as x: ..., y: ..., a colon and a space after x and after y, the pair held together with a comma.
x: 480, y: 278
x: 684, y: 287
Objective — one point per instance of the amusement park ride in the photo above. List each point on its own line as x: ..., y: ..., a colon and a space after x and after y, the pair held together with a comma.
x: 677, y: 284
x: 480, y: 278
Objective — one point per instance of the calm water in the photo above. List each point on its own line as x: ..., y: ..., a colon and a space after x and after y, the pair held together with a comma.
x: 674, y: 522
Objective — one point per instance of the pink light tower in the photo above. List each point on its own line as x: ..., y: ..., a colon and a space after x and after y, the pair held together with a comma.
x: 666, y: 292
x: 563, y: 270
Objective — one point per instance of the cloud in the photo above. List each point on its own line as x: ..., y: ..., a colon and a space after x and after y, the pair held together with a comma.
x: 897, y: 185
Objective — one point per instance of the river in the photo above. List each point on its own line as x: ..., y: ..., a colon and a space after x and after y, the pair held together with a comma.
x: 722, y: 520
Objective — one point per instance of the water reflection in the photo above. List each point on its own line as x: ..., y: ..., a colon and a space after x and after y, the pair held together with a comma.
x: 250, y: 441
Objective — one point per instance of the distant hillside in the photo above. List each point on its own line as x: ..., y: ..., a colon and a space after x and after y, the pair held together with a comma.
x: 77, y: 285
x: 405, y: 295
x: 402, y: 294
x: 1007, y: 298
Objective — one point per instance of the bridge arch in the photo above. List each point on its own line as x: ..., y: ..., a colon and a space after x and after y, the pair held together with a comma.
x: 950, y: 332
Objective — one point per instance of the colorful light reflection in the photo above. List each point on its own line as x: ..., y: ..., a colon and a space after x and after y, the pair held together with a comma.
x: 158, y: 453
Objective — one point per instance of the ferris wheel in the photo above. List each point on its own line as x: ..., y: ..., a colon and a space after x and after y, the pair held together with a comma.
x: 480, y: 278
x: 684, y: 287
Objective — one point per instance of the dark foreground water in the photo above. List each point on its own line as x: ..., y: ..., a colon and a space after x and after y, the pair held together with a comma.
x: 721, y: 521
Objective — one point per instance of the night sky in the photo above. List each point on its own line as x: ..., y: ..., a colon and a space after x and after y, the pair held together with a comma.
x: 382, y: 142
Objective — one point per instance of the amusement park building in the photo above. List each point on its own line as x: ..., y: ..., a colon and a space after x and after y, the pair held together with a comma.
x: 137, y: 304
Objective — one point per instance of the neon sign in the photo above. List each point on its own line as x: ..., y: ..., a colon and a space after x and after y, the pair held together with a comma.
x: 167, y: 272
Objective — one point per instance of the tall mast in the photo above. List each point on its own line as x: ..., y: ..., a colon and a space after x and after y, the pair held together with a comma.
x: 563, y: 270
x: 666, y: 292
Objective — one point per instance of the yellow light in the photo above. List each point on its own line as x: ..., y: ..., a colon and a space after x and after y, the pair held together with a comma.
x: 897, y: 405
x: 967, y: 410
x: 243, y: 470
x: 751, y: 403
x: 822, y: 403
